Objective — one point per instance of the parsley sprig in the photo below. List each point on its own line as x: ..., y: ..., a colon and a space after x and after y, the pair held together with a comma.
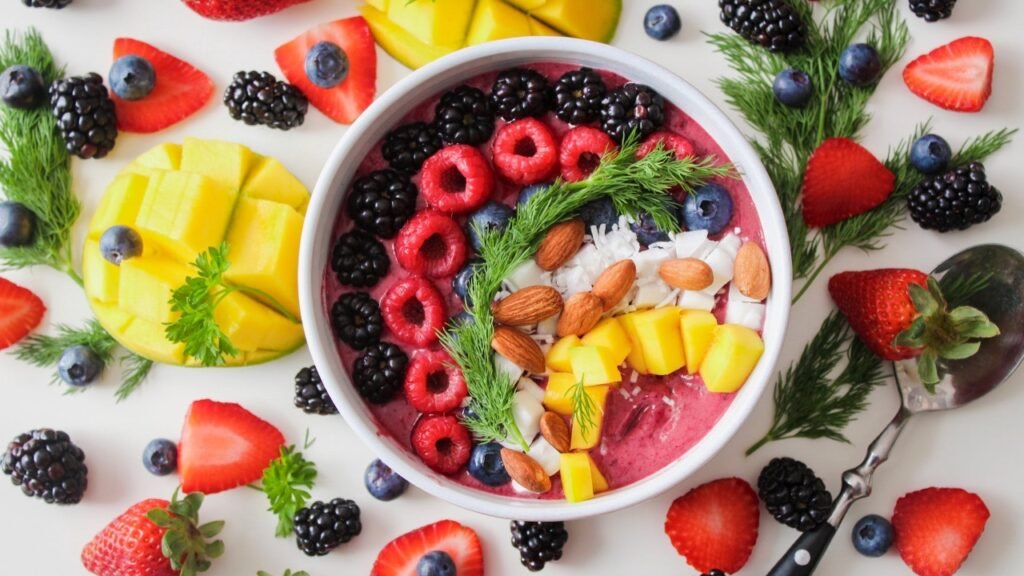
x: 287, y: 482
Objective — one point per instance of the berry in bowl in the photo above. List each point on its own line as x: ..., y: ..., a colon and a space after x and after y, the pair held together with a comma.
x: 544, y: 278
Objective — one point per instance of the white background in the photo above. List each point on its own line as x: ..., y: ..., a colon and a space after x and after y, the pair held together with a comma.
x: 975, y: 448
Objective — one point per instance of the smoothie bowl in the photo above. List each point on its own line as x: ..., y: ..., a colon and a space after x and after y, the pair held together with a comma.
x: 625, y: 244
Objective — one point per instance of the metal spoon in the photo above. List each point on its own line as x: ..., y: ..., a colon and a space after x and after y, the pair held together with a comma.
x: 963, y: 381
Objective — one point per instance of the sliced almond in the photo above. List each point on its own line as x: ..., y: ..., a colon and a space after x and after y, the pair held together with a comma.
x: 582, y: 312
x: 614, y: 283
x: 687, y: 273
x: 560, y: 244
x: 526, y: 471
x: 751, y: 272
x: 528, y: 306
x: 554, y: 429
x: 519, y: 348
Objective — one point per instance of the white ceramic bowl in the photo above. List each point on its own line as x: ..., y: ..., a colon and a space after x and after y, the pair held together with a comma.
x: 436, y: 77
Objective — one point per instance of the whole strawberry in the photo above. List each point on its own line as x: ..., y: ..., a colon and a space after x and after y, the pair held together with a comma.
x: 238, y: 10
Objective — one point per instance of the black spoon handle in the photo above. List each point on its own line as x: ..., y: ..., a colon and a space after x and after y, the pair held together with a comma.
x: 803, y: 556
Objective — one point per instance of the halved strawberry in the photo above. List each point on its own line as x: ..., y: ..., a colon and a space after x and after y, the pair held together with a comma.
x: 224, y: 446
x: 180, y: 90
x: 937, y: 528
x: 715, y: 525
x: 346, y: 101
x: 21, y: 311
x: 238, y: 10
x: 957, y: 76
x: 400, y: 556
x: 843, y: 179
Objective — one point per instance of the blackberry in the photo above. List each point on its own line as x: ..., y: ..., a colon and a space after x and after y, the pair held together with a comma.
x: 323, y: 526
x: 85, y: 115
x: 464, y: 116
x: 379, y: 373
x: 578, y: 96
x: 356, y: 319
x: 519, y: 93
x: 538, y: 542
x: 359, y: 259
x: 382, y: 202
x: 932, y: 10
x: 793, y: 494
x: 407, y: 147
x: 955, y: 200
x: 310, y: 395
x: 257, y: 98
x: 632, y: 108
x: 772, y: 24
x: 47, y: 465
x: 57, y: 4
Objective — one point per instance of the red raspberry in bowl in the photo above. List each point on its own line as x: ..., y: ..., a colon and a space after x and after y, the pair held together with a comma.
x: 442, y: 442
x: 582, y: 148
x: 434, y: 383
x: 525, y: 152
x: 456, y: 179
x: 431, y: 244
x: 414, y: 311
x: 669, y: 140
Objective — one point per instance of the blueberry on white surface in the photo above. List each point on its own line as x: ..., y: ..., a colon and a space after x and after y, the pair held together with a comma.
x: 662, y: 22
x: 383, y: 483
x: 79, y: 366
x: 873, y: 536
x: 160, y: 457
x: 930, y: 154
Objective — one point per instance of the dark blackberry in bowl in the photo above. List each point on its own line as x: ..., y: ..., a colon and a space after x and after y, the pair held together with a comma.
x: 578, y: 95
x: 407, y: 147
x: 356, y: 319
x: 519, y: 93
x: 380, y: 372
x: 382, y: 202
x: 359, y: 260
x: 464, y: 116
x: 633, y: 108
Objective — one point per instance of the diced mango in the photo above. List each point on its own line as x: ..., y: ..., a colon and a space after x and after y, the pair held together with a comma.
x: 577, y: 482
x: 185, y: 213
x: 558, y: 356
x: 251, y: 326
x: 635, y: 360
x: 437, y: 22
x: 113, y: 319
x: 162, y: 156
x: 399, y: 43
x: 270, y: 180
x: 146, y: 287
x: 733, y: 354
x: 698, y: 329
x: 527, y: 5
x: 596, y: 366
x: 148, y: 339
x: 585, y: 19
x: 598, y: 479
x: 662, y: 340
x: 585, y: 440
x: 381, y: 5
x: 538, y: 28
x: 120, y: 204
x: 556, y: 395
x: 101, y: 278
x: 224, y: 162
x: 610, y: 335
x: 495, y: 20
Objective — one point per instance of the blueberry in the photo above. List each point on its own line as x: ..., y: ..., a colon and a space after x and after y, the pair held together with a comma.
x: 120, y: 243
x: 461, y: 319
x: 383, y: 483
x: 860, y: 65
x: 326, y: 65
x: 873, y: 535
x: 22, y: 87
x: 662, y: 22
x: 709, y: 208
x: 493, y: 216
x: 526, y: 193
x: 930, y: 154
x: 17, y: 225
x: 647, y: 232
x: 486, y: 466
x: 793, y: 87
x: 132, y: 77
x: 460, y: 282
x: 79, y: 365
x: 160, y: 457
x: 435, y: 563
x: 600, y: 211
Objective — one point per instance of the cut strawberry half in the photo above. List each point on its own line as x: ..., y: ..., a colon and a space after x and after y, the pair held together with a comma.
x: 434, y: 383
x: 843, y: 179
x: 414, y: 311
x: 401, y: 555
x: 957, y: 76
x: 224, y: 446
x: 180, y: 90
x: 238, y: 10
x: 344, y: 102
x: 715, y: 525
x: 442, y: 442
x: 937, y: 528
x: 21, y: 311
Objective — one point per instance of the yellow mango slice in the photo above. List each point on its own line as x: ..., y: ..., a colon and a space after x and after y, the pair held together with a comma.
x: 635, y: 360
x: 577, y: 482
x: 556, y: 396
x: 733, y: 354
x: 610, y: 335
x: 148, y: 340
x: 381, y: 5
x: 585, y: 19
x: 101, y: 278
x: 538, y: 28
x: 113, y: 319
x: 146, y: 287
x: 698, y: 329
x: 558, y: 357
x: 596, y: 366
x: 120, y: 204
x: 224, y: 162
x: 527, y: 5
x: 161, y: 156
x: 437, y: 22
x: 597, y: 478
x: 662, y: 340
x: 495, y: 20
x: 251, y: 326
x: 185, y: 213
x: 270, y: 180
x: 585, y: 440
x: 399, y: 43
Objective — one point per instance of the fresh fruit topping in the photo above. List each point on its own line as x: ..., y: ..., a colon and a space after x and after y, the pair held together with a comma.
x: 407, y: 147
x: 632, y: 109
x: 132, y: 77
x: 310, y: 394
x: 519, y: 93
x: 560, y: 243
x: 431, y: 244
x: 932, y: 10
x: 79, y: 365
x: 22, y: 87
x: 773, y: 24
x: 326, y: 65
x: 527, y: 306
x: 647, y: 231
x: 843, y: 179
x: 359, y: 260
x: 238, y: 10
x: 259, y: 99
x: 461, y: 280
x: 595, y: 365
x: 525, y: 152
x: 956, y: 200
x: 752, y: 274
x: 383, y: 483
x: 486, y: 466
x: 525, y: 471
x: 686, y: 273
x: 793, y: 494
x: 120, y: 243
x: 46, y: 464
x: 457, y: 179
x: 382, y: 202
x: 680, y: 146
x: 709, y: 208
x: 403, y: 554
x: 434, y: 382
x: 936, y: 529
x: 464, y: 116
x: 492, y: 217
x: 379, y: 373
x: 930, y: 154
x: 873, y: 536
x: 436, y: 563
x: 581, y: 151
x: 577, y: 473
x: 860, y: 65
x: 662, y: 22
x: 698, y: 327
x: 160, y: 457
x: 957, y: 76
x: 519, y: 348
x: 442, y: 442
x: 600, y: 212
x: 731, y: 358
x: 793, y: 87
x: 224, y: 446
x: 662, y: 345
x: 357, y: 321
x: 323, y: 526
x: 582, y: 312
x: 715, y: 525
x: 615, y: 282
x: 17, y: 225
x: 538, y: 542
x: 79, y: 102
x: 21, y: 311
x: 578, y: 95
x: 345, y: 100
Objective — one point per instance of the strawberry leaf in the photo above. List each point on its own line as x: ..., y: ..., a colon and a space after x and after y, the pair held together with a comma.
x: 961, y: 351
x: 928, y: 369
x: 924, y: 300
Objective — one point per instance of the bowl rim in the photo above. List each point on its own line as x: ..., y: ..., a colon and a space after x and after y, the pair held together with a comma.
x: 348, y: 154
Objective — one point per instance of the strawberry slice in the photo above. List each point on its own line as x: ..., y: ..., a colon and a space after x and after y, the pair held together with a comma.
x: 224, y: 446
x: 957, y: 76
x: 180, y: 90
x: 346, y: 101
x: 715, y: 525
x: 21, y: 311
x: 843, y: 179
x: 400, y: 556
x: 937, y: 528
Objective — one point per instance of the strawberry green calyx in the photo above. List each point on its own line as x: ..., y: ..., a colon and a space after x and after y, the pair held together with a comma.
x: 186, y: 543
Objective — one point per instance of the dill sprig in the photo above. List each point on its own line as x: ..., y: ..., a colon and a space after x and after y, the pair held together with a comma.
x: 287, y: 482
x: 584, y: 408
x: 134, y: 371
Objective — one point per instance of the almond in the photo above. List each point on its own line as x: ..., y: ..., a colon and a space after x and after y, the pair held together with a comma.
x: 525, y: 471
x: 560, y: 244
x: 555, y: 431
x: 614, y: 283
x: 687, y: 273
x: 581, y: 313
x: 518, y: 347
x: 751, y: 272
x: 528, y: 306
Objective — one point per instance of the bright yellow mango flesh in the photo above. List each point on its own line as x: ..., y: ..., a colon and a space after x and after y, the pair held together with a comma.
x: 557, y: 396
x: 635, y: 359
x: 495, y: 20
x: 558, y: 357
x: 594, y: 365
x: 436, y: 22
x: 733, y: 354
x: 586, y: 439
x: 698, y: 327
x: 610, y: 335
x: 400, y: 43
x: 661, y: 339
x: 577, y: 479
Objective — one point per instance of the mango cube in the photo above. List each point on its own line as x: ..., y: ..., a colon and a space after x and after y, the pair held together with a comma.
x: 162, y: 157
x: 102, y: 279
x: 698, y: 329
x: 252, y: 326
x: 185, y: 213
x: 577, y: 482
x: 610, y: 335
x: 538, y: 28
x: 595, y: 366
x: 270, y: 180
x: 223, y: 162
x: 438, y: 22
x: 598, y: 479
x: 120, y: 205
x: 635, y: 360
x: 495, y: 20
x: 527, y: 5
x: 113, y: 319
x: 399, y: 43
x: 558, y: 357
x: 581, y: 18
x: 585, y: 440
x: 733, y: 354
x: 148, y: 340
x: 146, y: 286
x: 662, y: 340
x: 556, y: 395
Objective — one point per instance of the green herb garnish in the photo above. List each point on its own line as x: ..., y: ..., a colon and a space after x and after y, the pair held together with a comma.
x: 286, y: 572
x: 287, y: 482
x: 584, y: 408
x: 185, y: 542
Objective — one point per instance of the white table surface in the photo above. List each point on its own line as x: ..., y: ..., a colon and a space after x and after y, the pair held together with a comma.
x: 973, y: 448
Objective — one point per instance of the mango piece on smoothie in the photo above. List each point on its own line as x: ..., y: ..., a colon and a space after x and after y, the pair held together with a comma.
x: 587, y: 439
x: 662, y: 340
x: 599, y: 481
x: 698, y: 329
x: 577, y: 482
x: 558, y: 357
x: 556, y: 395
x: 635, y: 360
x: 594, y: 365
x: 733, y: 354
x: 494, y: 20
x: 610, y: 335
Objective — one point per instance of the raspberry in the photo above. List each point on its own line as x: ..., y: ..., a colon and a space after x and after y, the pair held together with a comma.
x: 431, y: 244
x: 457, y: 179
x: 414, y: 311
x: 582, y: 148
x: 670, y: 141
x: 442, y: 442
x: 434, y: 383
x: 525, y: 152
